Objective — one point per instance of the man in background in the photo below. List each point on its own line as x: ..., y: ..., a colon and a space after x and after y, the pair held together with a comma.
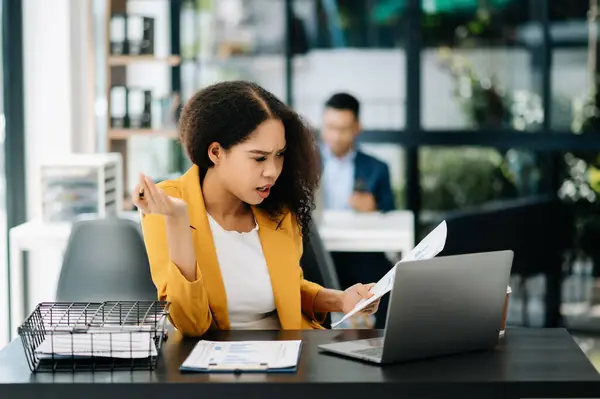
x: 353, y: 180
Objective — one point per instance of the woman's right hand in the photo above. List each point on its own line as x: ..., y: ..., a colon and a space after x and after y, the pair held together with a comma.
x: 152, y: 200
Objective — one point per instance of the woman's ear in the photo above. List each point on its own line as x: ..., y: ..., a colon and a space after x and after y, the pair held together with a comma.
x: 215, y: 152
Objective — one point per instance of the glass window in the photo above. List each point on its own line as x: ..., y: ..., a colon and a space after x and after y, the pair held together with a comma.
x: 354, y: 46
x: 236, y: 39
x: 480, y: 67
x: 465, y: 177
x: 3, y: 225
x: 494, y: 199
x: 574, y: 65
x: 2, y: 173
x: 580, y: 189
x: 456, y: 181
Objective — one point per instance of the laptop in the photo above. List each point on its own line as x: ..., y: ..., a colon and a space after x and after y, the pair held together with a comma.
x: 439, y: 306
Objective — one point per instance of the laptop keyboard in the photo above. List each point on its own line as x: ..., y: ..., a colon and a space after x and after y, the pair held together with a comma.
x: 371, y: 352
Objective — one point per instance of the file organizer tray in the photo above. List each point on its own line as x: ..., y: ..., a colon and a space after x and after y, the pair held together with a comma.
x: 94, y: 336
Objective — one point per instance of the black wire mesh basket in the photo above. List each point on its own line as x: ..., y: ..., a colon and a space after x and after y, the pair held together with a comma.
x: 94, y: 336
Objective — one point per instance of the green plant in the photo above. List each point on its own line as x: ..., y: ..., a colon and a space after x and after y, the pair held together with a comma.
x: 458, y: 178
x: 581, y: 187
x: 586, y: 120
x: 481, y: 99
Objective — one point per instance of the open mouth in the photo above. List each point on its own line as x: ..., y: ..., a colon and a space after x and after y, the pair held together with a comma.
x: 263, y: 191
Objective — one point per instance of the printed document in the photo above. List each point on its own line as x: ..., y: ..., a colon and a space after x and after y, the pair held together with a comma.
x: 429, y: 247
x: 134, y: 345
x: 243, y: 355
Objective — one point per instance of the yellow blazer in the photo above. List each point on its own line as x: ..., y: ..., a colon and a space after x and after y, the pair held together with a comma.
x: 202, y: 304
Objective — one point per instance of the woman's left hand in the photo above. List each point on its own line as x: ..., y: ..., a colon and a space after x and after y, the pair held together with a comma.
x: 354, y: 294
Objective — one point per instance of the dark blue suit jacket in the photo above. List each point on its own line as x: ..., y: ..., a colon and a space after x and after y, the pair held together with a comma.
x: 373, y: 176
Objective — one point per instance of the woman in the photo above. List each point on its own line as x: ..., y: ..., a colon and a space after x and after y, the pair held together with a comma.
x: 225, y: 240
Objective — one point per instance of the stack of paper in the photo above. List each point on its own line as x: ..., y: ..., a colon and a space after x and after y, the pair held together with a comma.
x: 274, y: 356
x: 122, y: 345
x: 429, y: 247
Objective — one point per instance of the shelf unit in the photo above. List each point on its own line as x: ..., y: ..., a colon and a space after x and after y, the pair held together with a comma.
x: 124, y: 60
x: 116, y: 74
x: 123, y: 134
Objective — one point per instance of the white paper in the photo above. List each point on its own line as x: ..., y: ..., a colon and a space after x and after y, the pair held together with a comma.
x: 429, y: 247
x: 113, y: 345
x: 271, y: 354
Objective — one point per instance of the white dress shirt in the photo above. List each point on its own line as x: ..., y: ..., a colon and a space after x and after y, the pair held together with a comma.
x: 250, y: 299
x: 338, y: 179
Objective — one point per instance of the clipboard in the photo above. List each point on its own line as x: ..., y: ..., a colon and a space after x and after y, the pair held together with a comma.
x: 239, y: 369
x: 197, y: 362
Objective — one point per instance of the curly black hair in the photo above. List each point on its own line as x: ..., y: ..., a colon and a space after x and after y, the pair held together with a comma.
x: 227, y: 113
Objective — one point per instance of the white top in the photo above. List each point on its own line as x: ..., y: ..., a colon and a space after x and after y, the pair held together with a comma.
x: 250, y: 300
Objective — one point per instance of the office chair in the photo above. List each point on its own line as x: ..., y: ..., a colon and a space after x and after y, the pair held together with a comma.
x: 105, y: 260
x: 538, y: 229
x: 316, y: 261
x: 317, y: 264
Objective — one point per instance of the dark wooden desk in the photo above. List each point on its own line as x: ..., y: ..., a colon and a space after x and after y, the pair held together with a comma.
x: 528, y: 363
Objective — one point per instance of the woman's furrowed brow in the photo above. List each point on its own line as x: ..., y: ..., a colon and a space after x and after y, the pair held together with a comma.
x: 263, y: 152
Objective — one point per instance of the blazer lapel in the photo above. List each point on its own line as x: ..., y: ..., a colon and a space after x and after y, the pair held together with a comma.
x: 278, y: 249
x: 205, y: 248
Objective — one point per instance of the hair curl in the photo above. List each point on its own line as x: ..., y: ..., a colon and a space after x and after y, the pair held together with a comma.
x: 227, y: 113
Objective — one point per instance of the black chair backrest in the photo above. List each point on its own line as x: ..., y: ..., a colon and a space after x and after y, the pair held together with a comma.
x: 534, y: 228
x: 105, y: 260
x: 316, y: 261
x: 317, y: 264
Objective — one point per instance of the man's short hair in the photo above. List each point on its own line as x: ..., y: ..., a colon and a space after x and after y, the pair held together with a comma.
x: 344, y: 102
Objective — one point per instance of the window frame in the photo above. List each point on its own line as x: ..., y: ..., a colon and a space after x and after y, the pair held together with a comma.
x: 14, y: 144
